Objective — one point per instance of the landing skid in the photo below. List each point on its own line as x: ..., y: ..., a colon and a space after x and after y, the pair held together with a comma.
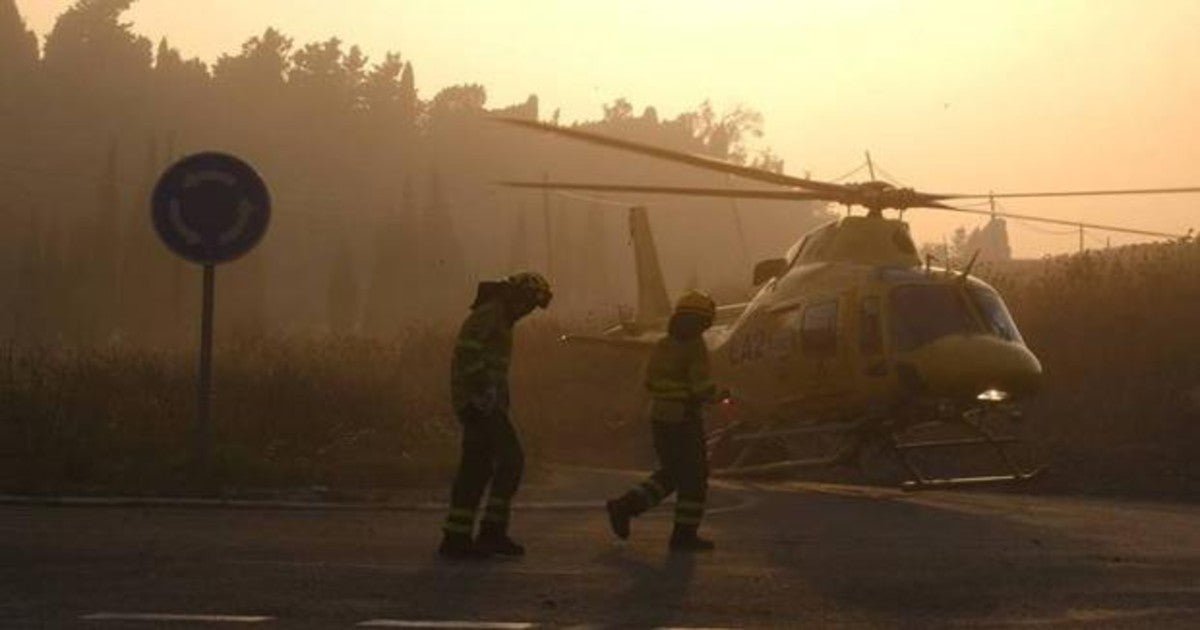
x: 979, y: 435
x: 774, y: 450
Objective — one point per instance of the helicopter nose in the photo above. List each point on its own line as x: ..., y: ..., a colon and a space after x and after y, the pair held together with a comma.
x: 969, y: 365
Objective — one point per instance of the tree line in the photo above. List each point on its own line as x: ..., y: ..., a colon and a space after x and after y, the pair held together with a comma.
x: 385, y: 212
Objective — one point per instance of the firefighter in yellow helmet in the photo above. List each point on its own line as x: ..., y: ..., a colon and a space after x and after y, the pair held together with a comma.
x: 491, y: 450
x: 677, y: 379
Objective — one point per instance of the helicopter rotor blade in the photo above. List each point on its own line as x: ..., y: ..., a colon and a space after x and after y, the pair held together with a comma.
x: 1074, y: 193
x: 926, y: 202
x: 728, y: 193
x: 680, y: 157
x: 1027, y: 217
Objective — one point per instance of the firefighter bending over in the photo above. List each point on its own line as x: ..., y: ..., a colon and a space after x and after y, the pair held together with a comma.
x: 491, y: 450
x: 678, y: 381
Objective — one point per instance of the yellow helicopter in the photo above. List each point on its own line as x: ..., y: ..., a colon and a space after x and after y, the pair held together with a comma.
x: 852, y: 344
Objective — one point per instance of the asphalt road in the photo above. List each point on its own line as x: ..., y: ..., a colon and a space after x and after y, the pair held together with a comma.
x: 789, y: 555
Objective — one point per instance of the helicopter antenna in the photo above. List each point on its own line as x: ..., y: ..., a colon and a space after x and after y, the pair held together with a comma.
x: 967, y: 270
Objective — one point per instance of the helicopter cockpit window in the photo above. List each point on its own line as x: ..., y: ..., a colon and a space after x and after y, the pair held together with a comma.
x: 870, y: 327
x: 923, y: 313
x: 818, y: 330
x: 811, y: 246
x: 995, y: 314
x: 818, y: 246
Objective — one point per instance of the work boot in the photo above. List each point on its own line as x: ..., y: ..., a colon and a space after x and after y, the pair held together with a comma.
x: 619, y: 517
x: 493, y: 539
x: 622, y: 510
x: 684, y: 539
x: 460, y: 547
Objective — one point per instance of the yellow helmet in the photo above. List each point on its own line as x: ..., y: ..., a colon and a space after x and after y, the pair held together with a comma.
x: 535, y: 284
x: 696, y: 303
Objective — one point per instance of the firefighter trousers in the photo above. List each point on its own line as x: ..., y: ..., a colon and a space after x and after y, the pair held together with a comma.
x: 491, y: 453
x: 683, y: 469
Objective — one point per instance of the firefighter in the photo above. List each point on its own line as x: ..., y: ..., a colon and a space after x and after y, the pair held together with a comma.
x: 677, y: 379
x: 491, y: 449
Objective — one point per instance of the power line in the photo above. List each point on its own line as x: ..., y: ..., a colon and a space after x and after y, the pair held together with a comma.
x: 1041, y: 230
x: 889, y: 177
x: 599, y: 200
x: 852, y: 173
x: 1075, y: 224
x: 1095, y: 239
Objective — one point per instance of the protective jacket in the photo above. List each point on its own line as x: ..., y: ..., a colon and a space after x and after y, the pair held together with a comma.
x: 677, y: 378
x: 479, y: 367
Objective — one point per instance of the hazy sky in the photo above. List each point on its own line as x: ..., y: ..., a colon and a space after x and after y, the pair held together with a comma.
x: 951, y: 95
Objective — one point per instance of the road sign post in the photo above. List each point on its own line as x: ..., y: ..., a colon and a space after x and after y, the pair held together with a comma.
x: 202, y: 441
x: 209, y: 208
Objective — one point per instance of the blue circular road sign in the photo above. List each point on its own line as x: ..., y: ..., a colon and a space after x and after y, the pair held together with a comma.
x: 211, y: 208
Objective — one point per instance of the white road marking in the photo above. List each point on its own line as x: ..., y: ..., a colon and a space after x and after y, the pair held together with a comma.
x: 109, y: 616
x: 461, y: 625
x: 483, y: 625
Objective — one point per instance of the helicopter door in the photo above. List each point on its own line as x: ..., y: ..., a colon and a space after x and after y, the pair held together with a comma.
x: 871, y: 366
x: 825, y: 357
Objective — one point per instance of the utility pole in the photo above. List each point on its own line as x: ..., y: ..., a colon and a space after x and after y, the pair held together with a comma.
x: 1080, y: 238
x: 737, y: 222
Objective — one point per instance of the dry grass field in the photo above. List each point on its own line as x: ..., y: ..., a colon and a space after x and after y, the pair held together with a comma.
x: 1117, y: 333
x: 288, y: 412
